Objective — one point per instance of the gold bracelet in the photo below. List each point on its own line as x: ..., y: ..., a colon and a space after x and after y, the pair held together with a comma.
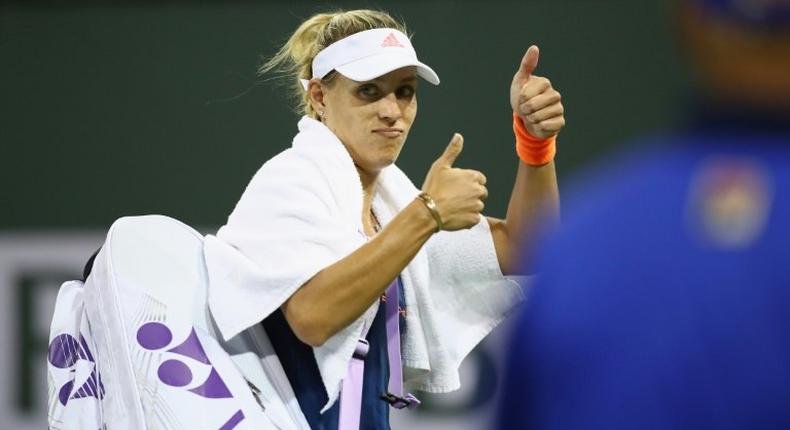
x: 431, y: 205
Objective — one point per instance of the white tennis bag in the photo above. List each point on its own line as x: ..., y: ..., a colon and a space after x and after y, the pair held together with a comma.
x: 135, y: 346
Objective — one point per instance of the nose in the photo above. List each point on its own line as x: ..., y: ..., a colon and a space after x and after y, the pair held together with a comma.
x: 389, y: 109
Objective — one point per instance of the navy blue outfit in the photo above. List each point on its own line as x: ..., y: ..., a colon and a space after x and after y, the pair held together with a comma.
x: 302, y: 370
x: 651, y: 310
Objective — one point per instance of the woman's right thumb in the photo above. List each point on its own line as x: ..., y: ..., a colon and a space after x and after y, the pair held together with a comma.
x: 452, y: 151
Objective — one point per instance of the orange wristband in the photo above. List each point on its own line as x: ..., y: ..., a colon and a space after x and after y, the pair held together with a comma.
x: 529, y: 148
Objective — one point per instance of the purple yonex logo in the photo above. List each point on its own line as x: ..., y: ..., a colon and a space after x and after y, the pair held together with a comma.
x: 155, y: 336
x: 64, y: 352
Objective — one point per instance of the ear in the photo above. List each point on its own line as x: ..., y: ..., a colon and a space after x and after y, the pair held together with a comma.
x: 316, y: 94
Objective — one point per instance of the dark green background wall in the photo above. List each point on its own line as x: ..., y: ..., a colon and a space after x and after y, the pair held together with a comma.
x: 154, y: 107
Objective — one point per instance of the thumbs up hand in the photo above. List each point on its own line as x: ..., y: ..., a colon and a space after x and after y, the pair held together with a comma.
x: 535, y: 100
x: 458, y: 193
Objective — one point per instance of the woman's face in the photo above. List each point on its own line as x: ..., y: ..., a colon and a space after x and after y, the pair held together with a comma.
x: 372, y: 118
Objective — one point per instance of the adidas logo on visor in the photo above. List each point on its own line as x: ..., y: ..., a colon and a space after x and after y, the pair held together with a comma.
x: 391, y: 41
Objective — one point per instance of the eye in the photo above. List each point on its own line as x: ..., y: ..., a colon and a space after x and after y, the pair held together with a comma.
x: 405, y: 91
x: 368, y: 91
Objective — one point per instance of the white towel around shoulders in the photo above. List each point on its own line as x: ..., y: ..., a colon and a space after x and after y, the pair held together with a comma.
x: 302, y: 212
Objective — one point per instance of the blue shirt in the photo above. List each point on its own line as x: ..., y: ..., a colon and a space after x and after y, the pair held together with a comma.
x: 664, y: 301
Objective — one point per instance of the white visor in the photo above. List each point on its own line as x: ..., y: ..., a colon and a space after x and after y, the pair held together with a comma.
x: 369, y: 54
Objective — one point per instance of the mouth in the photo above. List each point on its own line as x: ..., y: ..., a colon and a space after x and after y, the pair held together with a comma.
x: 389, y: 132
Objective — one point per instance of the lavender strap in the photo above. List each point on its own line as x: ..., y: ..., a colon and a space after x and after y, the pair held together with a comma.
x: 396, y: 395
x: 351, y: 391
x: 393, y: 340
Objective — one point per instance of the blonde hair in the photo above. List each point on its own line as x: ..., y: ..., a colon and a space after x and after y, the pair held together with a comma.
x: 295, y: 58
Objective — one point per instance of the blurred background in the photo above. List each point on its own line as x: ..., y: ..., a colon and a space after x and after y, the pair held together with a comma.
x: 123, y: 108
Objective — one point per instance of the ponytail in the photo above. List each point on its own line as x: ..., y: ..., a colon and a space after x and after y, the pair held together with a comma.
x: 294, y: 59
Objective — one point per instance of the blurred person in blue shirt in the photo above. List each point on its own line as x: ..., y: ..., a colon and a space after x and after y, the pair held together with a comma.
x: 664, y: 300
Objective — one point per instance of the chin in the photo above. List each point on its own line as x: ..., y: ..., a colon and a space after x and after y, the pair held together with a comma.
x: 384, y: 157
x: 385, y: 162
x: 391, y: 158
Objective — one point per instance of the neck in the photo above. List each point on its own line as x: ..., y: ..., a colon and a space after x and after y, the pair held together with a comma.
x: 368, y: 181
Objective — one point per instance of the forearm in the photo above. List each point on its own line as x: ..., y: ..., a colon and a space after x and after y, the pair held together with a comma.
x: 534, y: 203
x: 538, y: 116
x: 341, y: 292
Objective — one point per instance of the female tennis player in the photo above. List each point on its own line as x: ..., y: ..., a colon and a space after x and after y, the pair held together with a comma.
x: 370, y: 284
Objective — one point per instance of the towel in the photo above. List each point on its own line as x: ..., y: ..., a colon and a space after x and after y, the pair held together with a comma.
x: 301, y: 212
